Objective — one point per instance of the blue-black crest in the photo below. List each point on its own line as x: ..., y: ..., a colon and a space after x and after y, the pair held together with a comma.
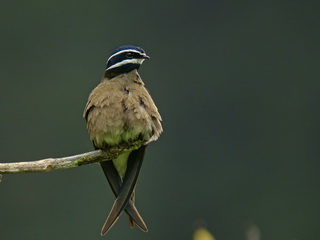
x: 125, y: 59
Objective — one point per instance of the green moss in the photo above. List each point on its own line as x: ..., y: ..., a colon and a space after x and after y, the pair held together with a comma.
x: 82, y: 161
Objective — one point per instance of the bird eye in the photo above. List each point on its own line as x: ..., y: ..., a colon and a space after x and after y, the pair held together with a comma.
x: 129, y: 55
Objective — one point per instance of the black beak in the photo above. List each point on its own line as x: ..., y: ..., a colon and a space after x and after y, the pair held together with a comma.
x: 145, y: 56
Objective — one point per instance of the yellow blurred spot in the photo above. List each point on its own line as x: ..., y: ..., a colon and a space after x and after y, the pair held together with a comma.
x: 202, y: 234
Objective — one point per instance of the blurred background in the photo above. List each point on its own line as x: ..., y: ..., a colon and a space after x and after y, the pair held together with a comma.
x: 237, y: 84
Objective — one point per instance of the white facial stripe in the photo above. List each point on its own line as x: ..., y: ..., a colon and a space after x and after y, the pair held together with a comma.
x: 124, y: 62
x: 127, y: 50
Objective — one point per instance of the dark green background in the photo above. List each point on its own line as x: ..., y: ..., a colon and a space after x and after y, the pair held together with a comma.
x: 237, y: 84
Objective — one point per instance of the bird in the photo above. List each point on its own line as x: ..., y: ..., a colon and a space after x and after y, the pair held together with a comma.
x: 121, y: 111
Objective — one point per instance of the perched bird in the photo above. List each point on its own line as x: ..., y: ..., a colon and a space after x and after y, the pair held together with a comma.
x: 121, y: 111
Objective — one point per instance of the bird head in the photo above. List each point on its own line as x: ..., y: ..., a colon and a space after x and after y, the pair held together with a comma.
x: 125, y: 59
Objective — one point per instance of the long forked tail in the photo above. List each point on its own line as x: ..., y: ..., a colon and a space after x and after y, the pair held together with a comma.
x: 116, y: 184
x: 125, y: 191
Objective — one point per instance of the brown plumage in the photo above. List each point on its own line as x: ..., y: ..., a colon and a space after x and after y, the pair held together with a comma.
x: 121, y: 109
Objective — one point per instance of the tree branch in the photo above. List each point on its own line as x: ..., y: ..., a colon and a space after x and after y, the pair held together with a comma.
x: 51, y: 164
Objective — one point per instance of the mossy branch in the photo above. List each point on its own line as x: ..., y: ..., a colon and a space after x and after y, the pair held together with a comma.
x: 52, y: 164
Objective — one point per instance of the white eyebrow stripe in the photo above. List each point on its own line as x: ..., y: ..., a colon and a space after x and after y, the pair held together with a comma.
x: 124, y: 62
x: 126, y: 50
